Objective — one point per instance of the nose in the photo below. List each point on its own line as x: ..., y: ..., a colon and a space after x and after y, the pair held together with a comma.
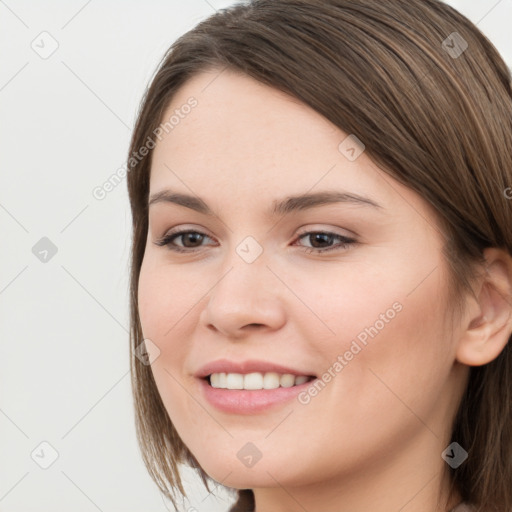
x: 245, y: 298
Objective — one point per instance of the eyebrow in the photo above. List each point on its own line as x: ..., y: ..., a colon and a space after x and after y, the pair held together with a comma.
x: 279, y: 207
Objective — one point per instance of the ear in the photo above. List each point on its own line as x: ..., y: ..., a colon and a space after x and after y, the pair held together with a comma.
x: 488, y: 322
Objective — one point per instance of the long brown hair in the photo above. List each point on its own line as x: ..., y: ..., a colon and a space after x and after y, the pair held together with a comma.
x: 431, y: 99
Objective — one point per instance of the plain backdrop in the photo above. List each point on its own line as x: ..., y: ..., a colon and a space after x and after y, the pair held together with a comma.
x: 72, y: 75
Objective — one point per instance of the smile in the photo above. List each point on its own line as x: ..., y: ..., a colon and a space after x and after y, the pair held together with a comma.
x: 227, y: 392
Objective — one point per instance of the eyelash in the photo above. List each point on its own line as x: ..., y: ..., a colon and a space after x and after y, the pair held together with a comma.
x: 166, y: 241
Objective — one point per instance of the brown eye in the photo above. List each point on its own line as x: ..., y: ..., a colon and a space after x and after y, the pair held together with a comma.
x: 190, y: 237
x: 190, y: 240
x: 324, y: 237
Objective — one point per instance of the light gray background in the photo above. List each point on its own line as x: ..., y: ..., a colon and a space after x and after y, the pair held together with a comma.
x: 65, y: 127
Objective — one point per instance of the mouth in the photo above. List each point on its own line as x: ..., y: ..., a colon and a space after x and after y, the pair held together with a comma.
x: 252, y: 393
x: 256, y: 381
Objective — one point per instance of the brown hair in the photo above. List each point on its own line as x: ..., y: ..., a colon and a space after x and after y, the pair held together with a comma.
x: 433, y: 116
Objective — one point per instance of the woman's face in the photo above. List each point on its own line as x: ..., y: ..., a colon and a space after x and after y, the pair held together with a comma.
x: 369, y: 314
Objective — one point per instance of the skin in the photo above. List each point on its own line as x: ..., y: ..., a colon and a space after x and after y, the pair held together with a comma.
x: 386, y: 417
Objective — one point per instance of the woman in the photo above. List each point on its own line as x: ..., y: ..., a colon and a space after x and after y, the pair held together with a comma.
x: 372, y: 372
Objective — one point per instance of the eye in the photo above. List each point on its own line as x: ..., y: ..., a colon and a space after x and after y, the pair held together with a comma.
x: 192, y: 236
x: 196, y: 237
x: 326, y: 237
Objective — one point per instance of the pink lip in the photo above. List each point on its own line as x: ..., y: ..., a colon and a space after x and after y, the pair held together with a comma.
x: 252, y: 365
x: 243, y: 401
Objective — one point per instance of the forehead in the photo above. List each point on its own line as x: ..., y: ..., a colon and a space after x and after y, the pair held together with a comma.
x: 242, y: 120
x: 246, y: 140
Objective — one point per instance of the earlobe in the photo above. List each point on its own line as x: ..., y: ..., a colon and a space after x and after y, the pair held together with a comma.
x: 489, y: 321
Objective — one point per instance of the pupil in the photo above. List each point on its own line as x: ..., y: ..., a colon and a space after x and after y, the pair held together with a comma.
x: 324, y: 235
x: 191, y: 235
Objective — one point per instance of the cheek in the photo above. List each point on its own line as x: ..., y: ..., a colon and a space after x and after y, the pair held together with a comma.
x: 347, y: 300
x: 395, y: 342
x: 169, y: 306
x: 385, y: 367
x: 165, y: 297
x: 166, y: 307
x: 384, y: 321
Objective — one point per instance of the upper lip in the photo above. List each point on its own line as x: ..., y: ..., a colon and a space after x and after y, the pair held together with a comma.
x: 248, y: 366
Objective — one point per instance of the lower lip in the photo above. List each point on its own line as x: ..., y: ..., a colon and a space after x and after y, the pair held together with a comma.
x: 243, y: 401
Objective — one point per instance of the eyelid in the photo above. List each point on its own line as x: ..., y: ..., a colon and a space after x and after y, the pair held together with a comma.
x: 321, y: 228
x: 302, y: 230
x: 180, y: 228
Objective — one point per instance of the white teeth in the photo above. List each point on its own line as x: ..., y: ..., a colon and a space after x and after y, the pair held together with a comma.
x: 271, y: 380
x: 234, y: 381
x: 214, y: 380
x: 255, y: 380
x: 287, y: 380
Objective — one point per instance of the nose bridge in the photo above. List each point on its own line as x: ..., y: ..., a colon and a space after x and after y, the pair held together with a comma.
x: 245, y: 273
